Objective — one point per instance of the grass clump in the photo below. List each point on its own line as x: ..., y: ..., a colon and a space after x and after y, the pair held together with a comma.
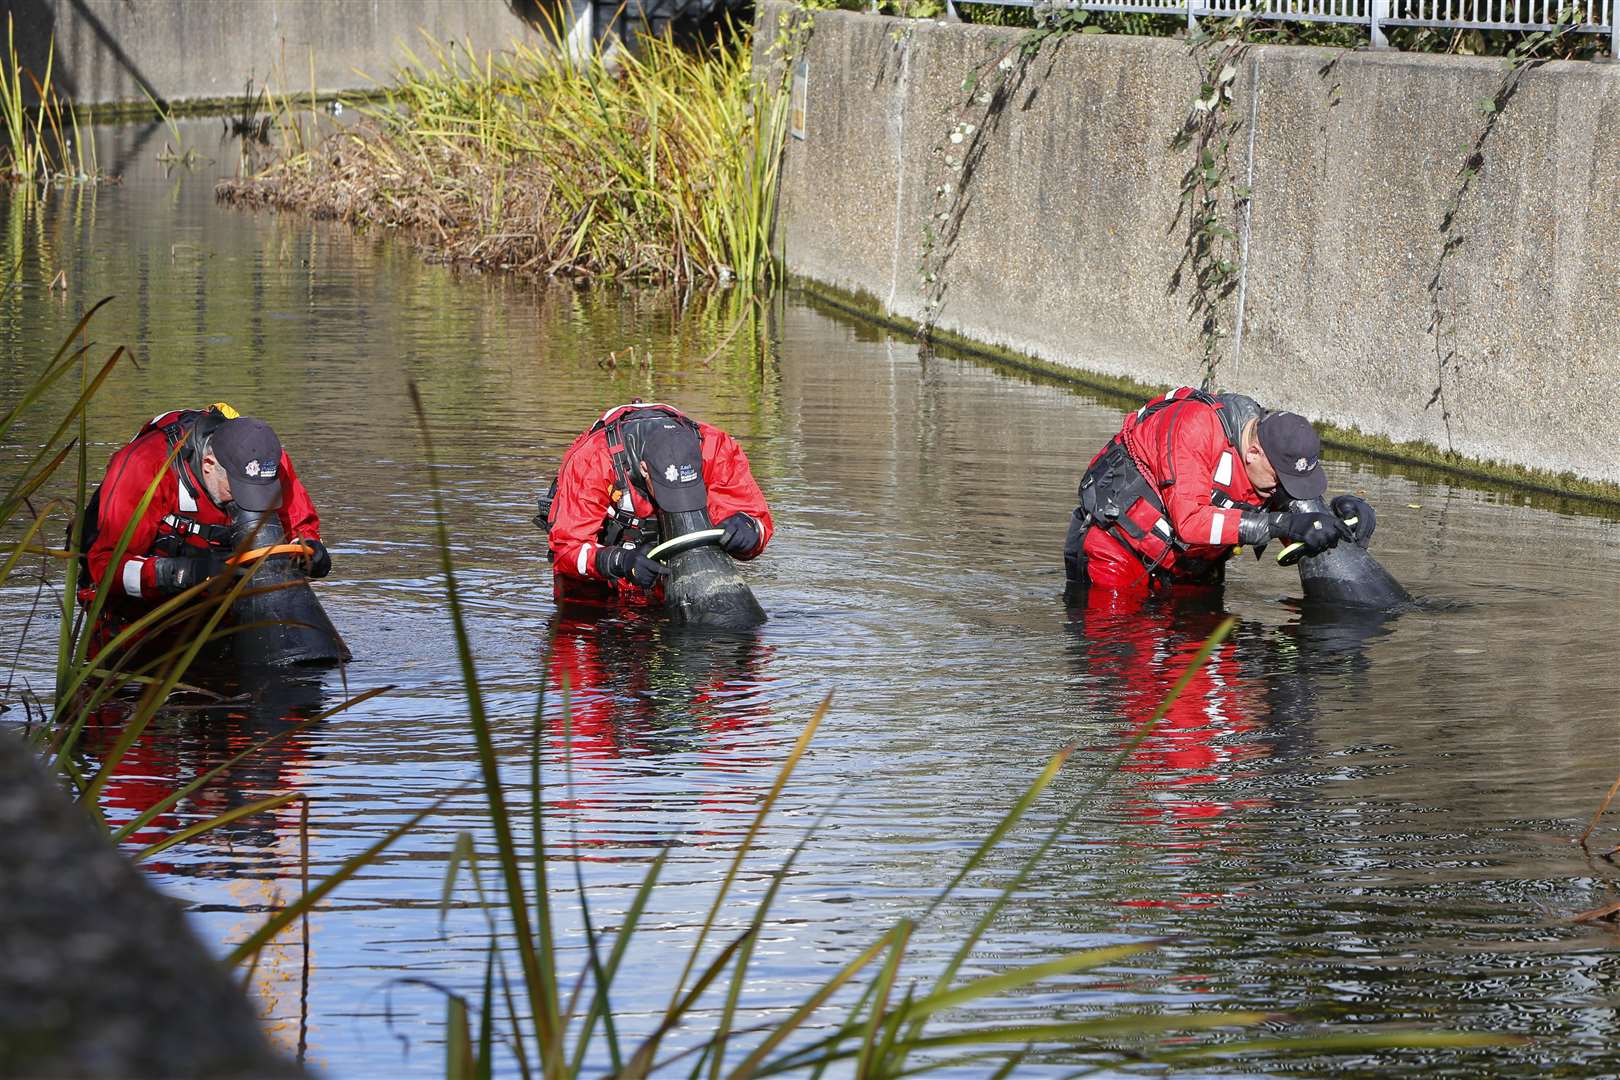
x: 658, y: 166
x: 39, y: 144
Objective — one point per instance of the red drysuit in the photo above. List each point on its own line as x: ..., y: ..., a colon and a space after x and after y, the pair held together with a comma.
x: 181, y: 515
x: 1180, y: 480
x: 588, y: 487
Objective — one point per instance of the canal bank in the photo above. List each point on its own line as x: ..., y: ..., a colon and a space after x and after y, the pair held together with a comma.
x: 1033, y: 202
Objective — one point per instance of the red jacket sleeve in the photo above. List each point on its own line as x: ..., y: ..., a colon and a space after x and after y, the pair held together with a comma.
x: 731, y: 485
x: 1195, y: 453
x: 129, y: 474
x: 584, y: 497
x: 298, y: 516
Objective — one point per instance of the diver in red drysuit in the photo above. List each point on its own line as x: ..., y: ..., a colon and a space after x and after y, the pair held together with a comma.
x: 185, y: 532
x: 1189, y: 478
x: 603, y: 507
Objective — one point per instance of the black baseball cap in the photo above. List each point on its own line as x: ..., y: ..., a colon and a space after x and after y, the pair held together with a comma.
x: 250, y: 454
x: 673, y: 453
x: 1292, y: 447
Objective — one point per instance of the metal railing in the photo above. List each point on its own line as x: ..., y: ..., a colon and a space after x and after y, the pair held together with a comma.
x: 1590, y: 16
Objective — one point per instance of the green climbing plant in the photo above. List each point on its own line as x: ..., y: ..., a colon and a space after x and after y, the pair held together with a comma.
x: 1525, y: 54
x: 1212, y: 200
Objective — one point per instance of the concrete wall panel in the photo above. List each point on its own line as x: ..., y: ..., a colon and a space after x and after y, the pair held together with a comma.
x: 1062, y: 237
x: 117, y: 51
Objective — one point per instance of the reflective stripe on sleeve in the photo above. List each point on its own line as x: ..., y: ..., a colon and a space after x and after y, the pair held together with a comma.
x: 1216, y: 521
x: 584, y: 555
x: 131, y: 577
x: 1223, y: 471
x: 184, y: 500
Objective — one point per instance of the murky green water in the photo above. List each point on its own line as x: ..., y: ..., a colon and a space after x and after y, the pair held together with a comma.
x: 1368, y: 825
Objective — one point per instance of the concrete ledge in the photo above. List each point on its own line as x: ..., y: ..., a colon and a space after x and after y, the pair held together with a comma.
x: 1065, y: 239
x: 111, y: 52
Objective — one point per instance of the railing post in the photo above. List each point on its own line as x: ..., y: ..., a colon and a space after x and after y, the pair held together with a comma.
x: 1192, y: 22
x: 1377, y: 12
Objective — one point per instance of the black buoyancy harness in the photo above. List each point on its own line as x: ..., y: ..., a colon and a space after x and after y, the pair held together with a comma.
x: 1117, y: 496
x: 620, y: 423
x: 195, y: 426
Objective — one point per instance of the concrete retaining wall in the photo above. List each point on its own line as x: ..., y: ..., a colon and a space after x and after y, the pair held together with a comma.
x: 110, y: 51
x: 1062, y: 238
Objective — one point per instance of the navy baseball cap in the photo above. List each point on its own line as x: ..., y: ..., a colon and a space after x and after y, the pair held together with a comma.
x: 250, y: 454
x: 673, y: 453
x: 1292, y: 447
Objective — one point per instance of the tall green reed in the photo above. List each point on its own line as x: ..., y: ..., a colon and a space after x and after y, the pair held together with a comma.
x: 41, y: 143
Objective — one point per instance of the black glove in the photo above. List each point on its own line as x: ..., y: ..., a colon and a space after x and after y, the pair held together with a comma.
x: 1350, y: 506
x: 629, y: 564
x: 1317, y: 531
x: 741, y: 535
x: 320, y: 560
x: 177, y: 573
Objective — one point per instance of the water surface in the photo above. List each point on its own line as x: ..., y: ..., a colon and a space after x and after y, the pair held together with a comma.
x: 1360, y: 823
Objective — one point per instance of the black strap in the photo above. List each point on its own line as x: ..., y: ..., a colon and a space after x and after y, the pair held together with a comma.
x: 621, y: 525
x: 214, y: 535
x: 200, y: 425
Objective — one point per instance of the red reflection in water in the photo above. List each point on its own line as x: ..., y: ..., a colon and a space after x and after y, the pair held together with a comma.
x: 180, y: 745
x: 1181, y: 772
x: 639, y: 689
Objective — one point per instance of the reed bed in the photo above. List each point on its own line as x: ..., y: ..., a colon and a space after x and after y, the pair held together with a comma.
x: 39, y: 144
x: 657, y: 167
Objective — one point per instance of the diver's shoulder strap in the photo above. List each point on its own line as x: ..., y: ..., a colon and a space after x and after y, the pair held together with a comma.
x: 195, y: 426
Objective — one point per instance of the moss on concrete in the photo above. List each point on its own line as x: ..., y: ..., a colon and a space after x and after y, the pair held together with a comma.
x: 1561, y: 492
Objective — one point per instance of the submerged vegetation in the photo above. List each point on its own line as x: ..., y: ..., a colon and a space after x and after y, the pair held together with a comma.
x: 656, y: 166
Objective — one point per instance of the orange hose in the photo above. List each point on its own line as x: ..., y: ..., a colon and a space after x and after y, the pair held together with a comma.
x: 265, y: 552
